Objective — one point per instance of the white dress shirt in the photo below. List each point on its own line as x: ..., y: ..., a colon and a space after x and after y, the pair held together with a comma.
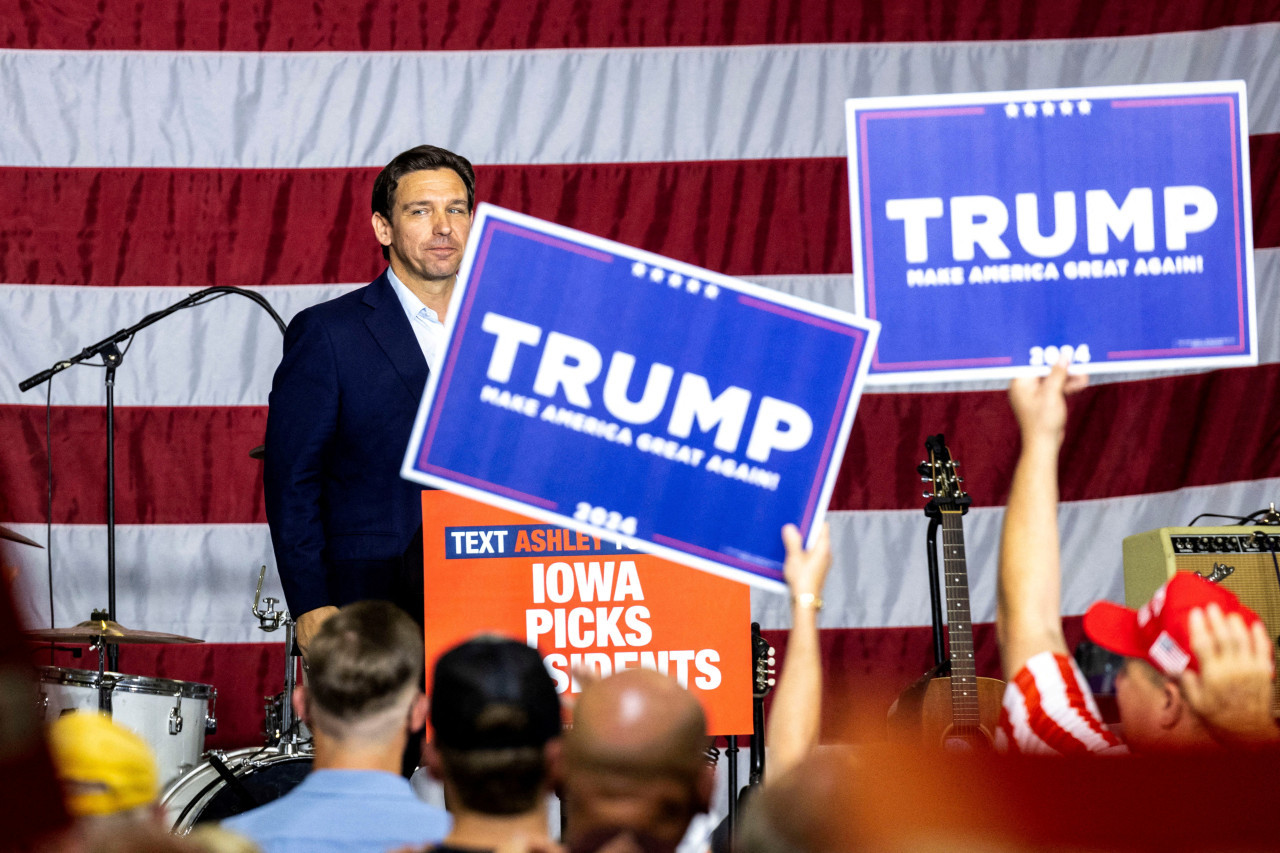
x: 425, y: 323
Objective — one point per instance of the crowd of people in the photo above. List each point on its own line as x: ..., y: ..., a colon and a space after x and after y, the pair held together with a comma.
x: 631, y: 771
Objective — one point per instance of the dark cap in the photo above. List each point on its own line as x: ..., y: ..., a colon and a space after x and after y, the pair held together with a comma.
x: 493, y: 693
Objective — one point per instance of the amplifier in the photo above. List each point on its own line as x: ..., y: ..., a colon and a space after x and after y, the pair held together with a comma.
x: 1242, y: 559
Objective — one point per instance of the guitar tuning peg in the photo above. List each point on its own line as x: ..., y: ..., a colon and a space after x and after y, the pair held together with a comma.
x: 955, y: 464
x: 926, y: 479
x: 926, y: 494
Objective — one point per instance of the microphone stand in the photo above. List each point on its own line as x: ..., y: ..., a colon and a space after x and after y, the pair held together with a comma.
x: 112, y: 356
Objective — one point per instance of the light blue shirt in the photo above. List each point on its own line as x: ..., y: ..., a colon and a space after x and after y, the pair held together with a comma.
x: 425, y: 323
x: 353, y: 811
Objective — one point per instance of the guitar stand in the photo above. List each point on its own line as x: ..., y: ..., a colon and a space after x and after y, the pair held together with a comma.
x: 935, y: 599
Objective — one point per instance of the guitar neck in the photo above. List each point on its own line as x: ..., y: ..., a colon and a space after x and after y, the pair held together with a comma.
x: 964, y: 672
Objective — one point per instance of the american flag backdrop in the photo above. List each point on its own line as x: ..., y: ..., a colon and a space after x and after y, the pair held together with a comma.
x: 149, y: 149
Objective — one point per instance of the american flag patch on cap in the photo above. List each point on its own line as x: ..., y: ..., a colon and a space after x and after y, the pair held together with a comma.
x: 1168, y: 655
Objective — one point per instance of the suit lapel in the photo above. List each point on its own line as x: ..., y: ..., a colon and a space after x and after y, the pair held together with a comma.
x: 390, y: 327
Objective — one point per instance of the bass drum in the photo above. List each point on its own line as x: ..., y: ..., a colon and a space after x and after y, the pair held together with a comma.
x: 204, y: 795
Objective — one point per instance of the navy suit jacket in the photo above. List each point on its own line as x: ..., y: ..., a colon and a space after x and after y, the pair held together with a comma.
x: 341, y: 409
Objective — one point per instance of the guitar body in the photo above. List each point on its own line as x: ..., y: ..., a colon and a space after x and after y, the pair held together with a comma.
x: 937, y: 726
x: 923, y: 715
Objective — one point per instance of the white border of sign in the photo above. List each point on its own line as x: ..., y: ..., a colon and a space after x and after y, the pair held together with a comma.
x: 485, y: 212
x: 854, y: 106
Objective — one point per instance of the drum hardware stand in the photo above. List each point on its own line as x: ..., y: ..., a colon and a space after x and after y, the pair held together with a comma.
x: 233, y: 781
x: 105, y: 687
x: 108, y: 349
x: 270, y: 619
x: 731, y: 780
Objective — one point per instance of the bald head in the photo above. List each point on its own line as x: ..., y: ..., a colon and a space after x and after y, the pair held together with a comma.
x: 634, y: 760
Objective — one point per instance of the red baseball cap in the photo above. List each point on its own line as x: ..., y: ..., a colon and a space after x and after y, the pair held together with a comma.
x: 1159, y: 631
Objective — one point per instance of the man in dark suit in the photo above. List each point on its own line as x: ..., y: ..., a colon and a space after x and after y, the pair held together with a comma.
x: 345, y: 395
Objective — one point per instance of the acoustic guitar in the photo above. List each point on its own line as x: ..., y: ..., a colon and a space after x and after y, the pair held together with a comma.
x: 960, y: 711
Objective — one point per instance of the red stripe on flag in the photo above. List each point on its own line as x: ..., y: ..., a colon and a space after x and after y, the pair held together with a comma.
x: 174, y: 465
x: 190, y: 465
x: 197, y: 228
x: 254, y: 227
x: 1128, y: 438
x: 1264, y: 175
x: 356, y: 25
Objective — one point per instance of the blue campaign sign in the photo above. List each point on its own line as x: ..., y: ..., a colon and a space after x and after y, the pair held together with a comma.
x: 627, y: 395
x: 995, y: 233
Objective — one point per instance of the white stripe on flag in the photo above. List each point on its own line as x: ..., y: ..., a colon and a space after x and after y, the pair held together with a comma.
x: 224, y: 354
x: 336, y: 110
x: 198, y: 579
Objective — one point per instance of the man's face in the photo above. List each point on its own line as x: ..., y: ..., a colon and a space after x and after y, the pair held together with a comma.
x: 428, y: 228
x: 659, y: 808
x: 1140, y: 698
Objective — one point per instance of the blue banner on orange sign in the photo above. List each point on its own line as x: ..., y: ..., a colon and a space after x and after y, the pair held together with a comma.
x: 996, y: 233
x: 629, y: 396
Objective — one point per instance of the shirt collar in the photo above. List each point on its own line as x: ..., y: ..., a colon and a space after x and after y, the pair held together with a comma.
x: 413, y: 306
x: 345, y: 781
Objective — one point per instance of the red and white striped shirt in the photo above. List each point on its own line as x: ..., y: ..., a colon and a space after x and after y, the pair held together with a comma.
x: 1048, y: 709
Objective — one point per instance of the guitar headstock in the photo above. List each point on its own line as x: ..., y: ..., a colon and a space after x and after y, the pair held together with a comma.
x: 762, y: 661
x: 939, y: 471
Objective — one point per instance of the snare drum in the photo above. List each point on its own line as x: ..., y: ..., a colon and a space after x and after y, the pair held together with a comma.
x: 202, y: 795
x: 171, y: 716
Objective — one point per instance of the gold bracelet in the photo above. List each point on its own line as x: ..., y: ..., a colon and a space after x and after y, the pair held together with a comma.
x: 807, y: 599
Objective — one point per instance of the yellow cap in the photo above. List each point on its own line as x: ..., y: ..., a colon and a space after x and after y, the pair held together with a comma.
x: 104, y: 767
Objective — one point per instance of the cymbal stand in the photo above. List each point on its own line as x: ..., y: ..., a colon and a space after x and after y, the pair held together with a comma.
x: 105, y: 689
x: 109, y: 351
x: 270, y: 619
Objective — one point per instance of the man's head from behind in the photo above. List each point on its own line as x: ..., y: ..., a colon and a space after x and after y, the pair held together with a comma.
x: 1156, y: 640
x: 364, y: 667
x: 496, y: 721
x: 635, y: 762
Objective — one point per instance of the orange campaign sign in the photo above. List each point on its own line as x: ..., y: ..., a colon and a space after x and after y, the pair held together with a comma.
x: 585, y: 603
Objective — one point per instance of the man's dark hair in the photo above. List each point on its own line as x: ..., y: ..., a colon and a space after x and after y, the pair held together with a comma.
x: 363, y: 659
x: 497, y: 781
x: 494, y: 708
x: 423, y: 158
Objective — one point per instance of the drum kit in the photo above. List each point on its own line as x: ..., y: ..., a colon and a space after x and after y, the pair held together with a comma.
x: 174, y: 717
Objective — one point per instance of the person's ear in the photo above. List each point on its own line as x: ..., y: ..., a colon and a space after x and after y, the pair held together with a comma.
x: 381, y: 229
x: 551, y: 756
x: 431, y: 761
x: 300, y: 703
x: 418, y: 713
x: 705, y: 787
x: 1172, y: 704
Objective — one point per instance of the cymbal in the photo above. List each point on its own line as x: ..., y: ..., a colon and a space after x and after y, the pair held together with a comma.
x: 6, y: 533
x: 105, y: 631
